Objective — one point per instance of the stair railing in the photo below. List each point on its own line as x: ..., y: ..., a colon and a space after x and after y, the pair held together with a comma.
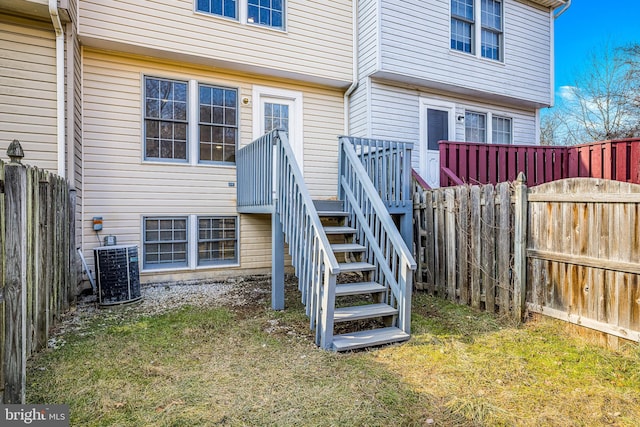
x: 388, y: 165
x: 385, y: 247
x: 254, y: 166
x: 271, y: 157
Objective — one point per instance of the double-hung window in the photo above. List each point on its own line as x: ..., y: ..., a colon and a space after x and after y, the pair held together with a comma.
x: 205, y: 133
x: 226, y: 8
x: 165, y: 242
x: 218, y: 124
x: 217, y: 240
x: 165, y: 119
x: 501, y: 130
x: 479, y: 127
x: 485, y: 39
x: 462, y: 28
x: 491, y: 33
x: 475, y: 127
x: 268, y: 13
x: 189, y: 241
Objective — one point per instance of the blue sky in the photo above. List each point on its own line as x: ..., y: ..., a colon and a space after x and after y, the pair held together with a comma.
x: 587, y: 25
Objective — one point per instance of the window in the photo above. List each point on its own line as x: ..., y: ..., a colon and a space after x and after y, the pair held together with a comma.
x: 479, y: 126
x: 165, y: 119
x: 501, y: 130
x: 226, y: 8
x: 165, y: 242
x: 491, y: 29
x: 218, y: 124
x: 172, y: 131
x: 217, y: 240
x: 462, y: 18
x: 266, y: 12
x: 276, y: 116
x: 485, y: 39
x: 189, y: 241
x: 475, y: 127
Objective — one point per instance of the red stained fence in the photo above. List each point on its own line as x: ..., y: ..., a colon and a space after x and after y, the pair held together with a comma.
x: 477, y: 163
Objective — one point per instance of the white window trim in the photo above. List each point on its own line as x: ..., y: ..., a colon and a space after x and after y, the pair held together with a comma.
x: 260, y: 92
x: 476, y: 48
x: 489, y: 128
x: 243, y: 13
x: 193, y: 108
x: 192, y: 245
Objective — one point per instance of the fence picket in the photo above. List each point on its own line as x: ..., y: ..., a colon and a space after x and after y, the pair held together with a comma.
x: 476, y: 247
x: 451, y: 253
x: 462, y: 195
x: 36, y: 246
x: 430, y: 253
x: 503, y: 248
x: 489, y: 248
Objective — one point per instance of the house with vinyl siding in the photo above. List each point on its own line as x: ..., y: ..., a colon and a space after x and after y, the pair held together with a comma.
x: 458, y: 70
x: 157, y: 97
x: 171, y: 90
x: 40, y: 86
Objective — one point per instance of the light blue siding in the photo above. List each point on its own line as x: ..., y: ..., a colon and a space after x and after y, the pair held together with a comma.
x: 395, y: 114
x: 414, y: 46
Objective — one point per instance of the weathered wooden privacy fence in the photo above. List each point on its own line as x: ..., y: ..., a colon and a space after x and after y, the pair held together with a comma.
x: 569, y: 249
x: 37, y: 250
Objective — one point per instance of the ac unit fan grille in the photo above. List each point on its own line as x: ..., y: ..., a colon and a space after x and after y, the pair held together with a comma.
x: 118, y: 274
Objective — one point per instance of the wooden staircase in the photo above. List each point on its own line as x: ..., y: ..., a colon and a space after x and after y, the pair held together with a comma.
x: 361, y: 315
x: 354, y: 267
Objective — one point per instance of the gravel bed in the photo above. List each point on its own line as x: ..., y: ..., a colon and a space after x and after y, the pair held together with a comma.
x: 159, y: 298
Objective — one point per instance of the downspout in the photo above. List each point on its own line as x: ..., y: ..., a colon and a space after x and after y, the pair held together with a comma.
x: 60, y: 116
x: 354, y: 82
x: 563, y: 10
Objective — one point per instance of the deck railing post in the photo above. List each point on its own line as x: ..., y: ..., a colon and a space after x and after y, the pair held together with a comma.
x: 277, y: 236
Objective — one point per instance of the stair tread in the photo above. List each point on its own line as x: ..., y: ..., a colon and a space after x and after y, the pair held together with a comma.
x: 332, y: 213
x: 346, y: 267
x: 358, y: 288
x: 347, y: 247
x: 345, y: 314
x: 368, y: 338
x: 339, y: 230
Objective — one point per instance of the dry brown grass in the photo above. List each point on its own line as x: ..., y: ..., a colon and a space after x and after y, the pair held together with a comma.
x: 251, y: 366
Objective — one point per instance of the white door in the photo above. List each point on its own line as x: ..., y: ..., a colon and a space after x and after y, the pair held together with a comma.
x: 436, y: 124
x: 278, y: 109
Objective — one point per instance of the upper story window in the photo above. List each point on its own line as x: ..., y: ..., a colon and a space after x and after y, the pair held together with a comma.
x: 491, y: 38
x: 165, y: 119
x: 226, y: 8
x: 478, y: 127
x: 486, y: 39
x: 462, y: 28
x: 266, y: 12
x: 172, y: 131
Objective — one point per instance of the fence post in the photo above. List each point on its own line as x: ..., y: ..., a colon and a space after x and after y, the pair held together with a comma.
x: 15, y: 308
x: 520, y: 247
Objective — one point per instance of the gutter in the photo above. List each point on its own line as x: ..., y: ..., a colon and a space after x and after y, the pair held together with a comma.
x: 60, y: 113
x: 566, y: 6
x: 354, y: 82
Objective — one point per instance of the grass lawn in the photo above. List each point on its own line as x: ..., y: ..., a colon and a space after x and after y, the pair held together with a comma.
x: 247, y: 365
